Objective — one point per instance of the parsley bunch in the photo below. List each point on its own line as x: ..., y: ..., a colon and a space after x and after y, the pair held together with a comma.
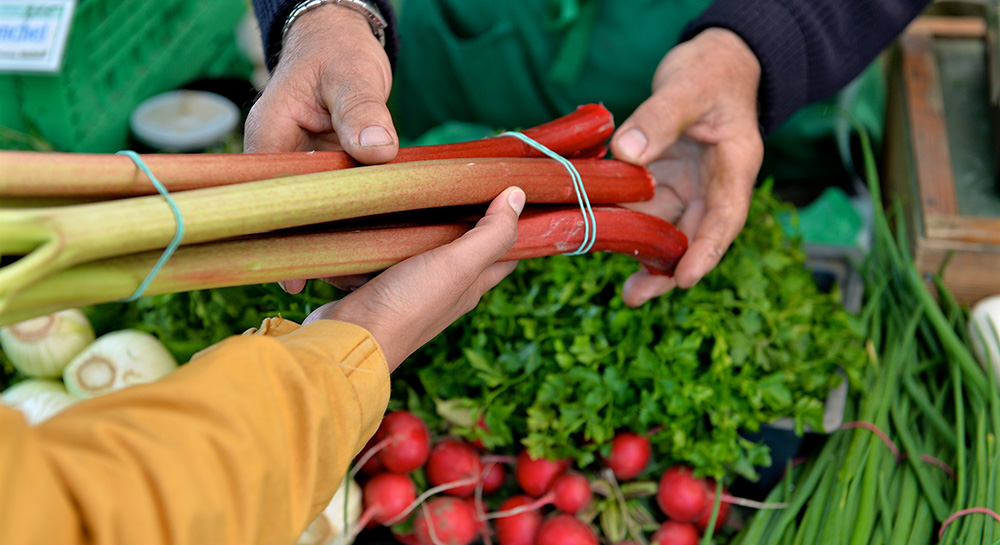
x: 553, y: 360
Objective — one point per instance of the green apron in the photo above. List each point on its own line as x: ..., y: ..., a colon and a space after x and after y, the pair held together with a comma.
x: 503, y: 64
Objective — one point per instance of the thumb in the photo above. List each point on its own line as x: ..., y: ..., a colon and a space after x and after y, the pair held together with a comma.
x: 360, y: 117
x: 494, y: 234
x: 653, y: 127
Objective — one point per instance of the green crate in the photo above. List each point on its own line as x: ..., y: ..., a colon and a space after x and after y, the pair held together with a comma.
x: 119, y: 53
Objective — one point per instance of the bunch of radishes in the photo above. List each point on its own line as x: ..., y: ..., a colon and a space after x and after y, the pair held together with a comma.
x: 551, y: 504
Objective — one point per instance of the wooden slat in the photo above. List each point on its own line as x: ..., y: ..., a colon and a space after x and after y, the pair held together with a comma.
x: 927, y: 127
x: 949, y: 27
x: 972, y: 268
x: 964, y: 229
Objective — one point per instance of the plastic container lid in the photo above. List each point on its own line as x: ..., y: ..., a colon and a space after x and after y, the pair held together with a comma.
x: 184, y: 120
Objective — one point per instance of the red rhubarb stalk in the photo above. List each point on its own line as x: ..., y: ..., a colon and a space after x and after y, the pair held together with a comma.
x: 655, y: 243
x: 581, y: 134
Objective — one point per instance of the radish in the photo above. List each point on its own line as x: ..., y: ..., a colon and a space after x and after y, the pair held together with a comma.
x: 565, y: 530
x: 630, y: 453
x: 387, y: 495
x: 681, y: 496
x: 409, y: 445
x: 494, y: 477
x: 702, y: 522
x: 675, y: 533
x: 536, y: 476
x: 452, y: 460
x: 446, y: 521
x: 370, y: 464
x: 520, y: 528
x: 571, y: 492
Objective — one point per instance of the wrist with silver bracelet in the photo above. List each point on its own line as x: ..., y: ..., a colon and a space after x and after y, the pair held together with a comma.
x: 371, y: 12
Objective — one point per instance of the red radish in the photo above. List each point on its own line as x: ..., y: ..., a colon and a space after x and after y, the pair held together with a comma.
x: 410, y: 442
x: 446, y: 521
x: 702, y: 522
x: 386, y: 495
x: 681, y: 496
x: 494, y: 478
x: 572, y: 492
x: 675, y: 533
x: 565, y: 530
x: 373, y: 465
x: 453, y: 460
x: 536, y: 476
x: 480, y: 523
x: 518, y: 529
x: 630, y: 453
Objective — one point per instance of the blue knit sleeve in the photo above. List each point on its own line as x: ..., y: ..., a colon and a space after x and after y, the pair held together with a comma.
x: 808, y: 49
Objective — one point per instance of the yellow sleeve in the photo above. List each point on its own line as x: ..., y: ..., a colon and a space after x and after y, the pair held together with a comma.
x: 244, y: 445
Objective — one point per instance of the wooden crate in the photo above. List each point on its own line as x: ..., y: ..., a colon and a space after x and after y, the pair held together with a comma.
x: 919, y: 169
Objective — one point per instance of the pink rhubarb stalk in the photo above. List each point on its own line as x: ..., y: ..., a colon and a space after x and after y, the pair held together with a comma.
x: 23, y: 175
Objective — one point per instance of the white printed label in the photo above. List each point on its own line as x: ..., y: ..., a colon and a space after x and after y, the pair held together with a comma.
x: 33, y: 34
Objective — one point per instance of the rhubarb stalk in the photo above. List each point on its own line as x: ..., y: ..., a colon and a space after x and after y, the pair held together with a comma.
x: 51, y: 239
x: 656, y: 244
x: 580, y: 134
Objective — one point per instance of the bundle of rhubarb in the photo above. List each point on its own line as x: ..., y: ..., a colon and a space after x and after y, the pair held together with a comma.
x: 77, y: 230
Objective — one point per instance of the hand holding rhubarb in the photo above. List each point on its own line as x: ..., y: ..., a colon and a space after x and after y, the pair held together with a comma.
x: 702, y: 143
x: 410, y: 303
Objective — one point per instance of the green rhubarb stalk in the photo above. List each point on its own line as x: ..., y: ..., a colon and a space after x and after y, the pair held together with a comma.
x: 657, y: 244
x: 579, y: 134
x: 52, y: 239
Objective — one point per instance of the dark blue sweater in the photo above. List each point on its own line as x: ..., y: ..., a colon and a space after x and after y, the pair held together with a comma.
x: 808, y: 49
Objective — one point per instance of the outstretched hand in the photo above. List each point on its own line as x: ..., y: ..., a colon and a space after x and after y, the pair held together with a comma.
x: 409, y: 303
x: 328, y: 91
x: 698, y: 135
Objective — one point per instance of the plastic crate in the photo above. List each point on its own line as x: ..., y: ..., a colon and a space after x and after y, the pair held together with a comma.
x: 119, y: 53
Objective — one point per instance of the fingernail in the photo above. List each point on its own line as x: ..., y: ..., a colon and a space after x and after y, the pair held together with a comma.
x: 516, y: 200
x: 632, y: 143
x: 375, y: 136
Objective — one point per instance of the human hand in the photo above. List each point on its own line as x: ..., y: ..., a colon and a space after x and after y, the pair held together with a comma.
x: 698, y: 135
x: 328, y: 91
x: 414, y: 300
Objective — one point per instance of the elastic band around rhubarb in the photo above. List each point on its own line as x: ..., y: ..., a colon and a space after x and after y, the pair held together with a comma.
x: 589, y: 222
x: 178, y: 217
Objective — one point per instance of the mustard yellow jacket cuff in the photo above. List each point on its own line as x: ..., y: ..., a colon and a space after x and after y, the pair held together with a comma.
x: 244, y: 445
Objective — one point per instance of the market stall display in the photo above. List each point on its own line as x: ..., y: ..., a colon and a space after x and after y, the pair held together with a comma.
x: 554, y: 413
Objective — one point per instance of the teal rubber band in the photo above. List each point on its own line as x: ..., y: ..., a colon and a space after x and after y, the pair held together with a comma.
x: 589, y: 221
x: 178, y: 234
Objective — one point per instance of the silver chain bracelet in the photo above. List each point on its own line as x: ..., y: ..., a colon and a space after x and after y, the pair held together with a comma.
x: 368, y: 9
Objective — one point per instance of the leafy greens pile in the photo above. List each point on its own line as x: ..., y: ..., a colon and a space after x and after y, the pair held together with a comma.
x: 554, y: 360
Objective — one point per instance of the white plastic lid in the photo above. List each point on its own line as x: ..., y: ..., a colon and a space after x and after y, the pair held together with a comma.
x: 184, y: 120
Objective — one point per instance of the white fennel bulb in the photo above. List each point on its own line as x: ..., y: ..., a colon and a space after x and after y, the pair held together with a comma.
x: 37, y: 399
x: 337, y: 524
x: 42, y: 347
x: 984, y: 328
x: 117, y: 360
